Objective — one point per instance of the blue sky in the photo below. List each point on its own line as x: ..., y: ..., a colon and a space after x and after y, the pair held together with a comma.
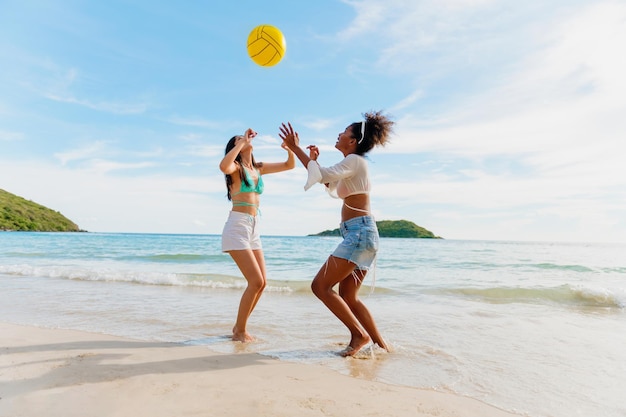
x: 510, y: 116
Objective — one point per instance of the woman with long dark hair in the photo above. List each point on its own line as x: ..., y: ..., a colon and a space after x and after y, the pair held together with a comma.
x: 241, y: 236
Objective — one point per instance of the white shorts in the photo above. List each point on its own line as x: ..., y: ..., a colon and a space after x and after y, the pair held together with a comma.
x: 241, y: 232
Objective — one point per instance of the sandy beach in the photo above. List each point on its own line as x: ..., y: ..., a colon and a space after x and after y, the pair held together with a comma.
x: 49, y: 372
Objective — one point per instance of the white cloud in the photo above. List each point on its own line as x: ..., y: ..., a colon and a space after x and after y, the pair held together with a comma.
x: 103, y: 166
x: 568, y: 95
x: 115, y: 107
x: 90, y: 158
x: 370, y: 15
x: 318, y: 124
x: 60, y: 85
x: 431, y: 38
x: 206, y: 150
x: 88, y: 151
x: 407, y: 101
x: 554, y: 125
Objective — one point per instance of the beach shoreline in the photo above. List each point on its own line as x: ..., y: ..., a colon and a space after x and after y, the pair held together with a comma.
x: 56, y: 372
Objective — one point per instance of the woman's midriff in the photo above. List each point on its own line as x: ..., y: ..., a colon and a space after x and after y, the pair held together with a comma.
x: 361, y: 202
x: 247, y: 203
x: 245, y: 209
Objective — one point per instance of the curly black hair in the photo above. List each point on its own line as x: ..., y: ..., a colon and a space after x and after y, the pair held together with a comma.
x: 378, y: 128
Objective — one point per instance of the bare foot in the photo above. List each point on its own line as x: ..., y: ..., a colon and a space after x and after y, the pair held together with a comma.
x: 382, y: 344
x: 243, y: 337
x: 355, y: 345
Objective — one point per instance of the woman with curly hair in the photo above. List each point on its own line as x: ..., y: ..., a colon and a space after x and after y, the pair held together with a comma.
x: 349, y: 263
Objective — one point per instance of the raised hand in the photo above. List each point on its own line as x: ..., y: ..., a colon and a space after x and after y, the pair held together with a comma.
x: 289, y: 136
x: 314, y: 152
x: 246, y: 138
x: 250, y: 134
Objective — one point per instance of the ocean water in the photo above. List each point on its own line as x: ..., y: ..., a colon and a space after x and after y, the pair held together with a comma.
x: 534, y: 328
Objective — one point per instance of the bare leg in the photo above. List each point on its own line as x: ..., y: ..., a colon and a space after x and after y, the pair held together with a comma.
x: 252, y: 266
x: 349, y: 291
x: 260, y: 260
x: 333, y: 271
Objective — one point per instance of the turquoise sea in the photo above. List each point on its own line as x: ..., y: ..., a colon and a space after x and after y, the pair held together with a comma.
x: 536, y: 328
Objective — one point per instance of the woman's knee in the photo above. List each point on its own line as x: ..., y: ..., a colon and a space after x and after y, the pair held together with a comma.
x: 318, y: 288
x: 257, y: 285
x: 315, y: 287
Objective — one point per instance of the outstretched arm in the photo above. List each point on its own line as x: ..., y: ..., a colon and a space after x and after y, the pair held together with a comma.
x: 272, y: 167
x: 292, y: 141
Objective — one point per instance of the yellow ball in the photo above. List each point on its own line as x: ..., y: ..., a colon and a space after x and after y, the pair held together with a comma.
x: 266, y: 45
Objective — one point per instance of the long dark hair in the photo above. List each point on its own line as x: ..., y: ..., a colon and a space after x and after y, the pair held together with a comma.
x: 229, y: 181
x: 378, y: 128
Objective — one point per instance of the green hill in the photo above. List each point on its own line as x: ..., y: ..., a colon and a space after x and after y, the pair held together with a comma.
x: 19, y: 214
x: 393, y: 228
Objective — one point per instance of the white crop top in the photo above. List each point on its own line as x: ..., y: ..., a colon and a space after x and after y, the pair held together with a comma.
x: 344, y: 179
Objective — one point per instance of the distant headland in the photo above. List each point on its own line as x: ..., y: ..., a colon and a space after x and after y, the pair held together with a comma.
x: 393, y: 228
x: 21, y: 215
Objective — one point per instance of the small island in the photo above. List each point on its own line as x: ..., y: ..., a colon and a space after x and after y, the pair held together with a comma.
x: 393, y: 228
x: 21, y: 215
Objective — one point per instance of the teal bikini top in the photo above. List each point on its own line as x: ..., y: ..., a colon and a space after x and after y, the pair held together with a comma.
x: 245, y: 188
x: 258, y: 188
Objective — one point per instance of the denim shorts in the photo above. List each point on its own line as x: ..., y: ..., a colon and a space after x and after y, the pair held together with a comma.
x: 241, y: 232
x: 360, y: 241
